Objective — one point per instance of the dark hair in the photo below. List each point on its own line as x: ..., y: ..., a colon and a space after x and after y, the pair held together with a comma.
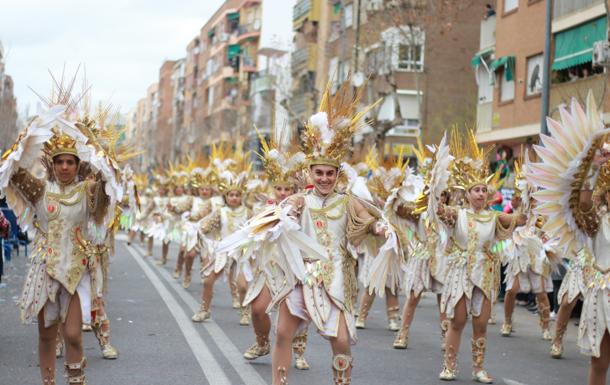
x: 76, y: 158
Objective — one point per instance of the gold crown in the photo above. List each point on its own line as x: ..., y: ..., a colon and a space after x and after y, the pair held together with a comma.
x: 60, y: 144
x: 328, y: 134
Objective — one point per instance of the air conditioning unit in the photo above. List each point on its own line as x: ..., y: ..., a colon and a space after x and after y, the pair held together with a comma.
x: 601, y: 54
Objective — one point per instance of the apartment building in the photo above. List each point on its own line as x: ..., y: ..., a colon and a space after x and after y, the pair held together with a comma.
x: 509, y: 70
x: 222, y: 75
x: 415, y: 56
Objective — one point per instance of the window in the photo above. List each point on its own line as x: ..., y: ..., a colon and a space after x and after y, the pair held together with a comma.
x: 507, y: 88
x: 534, y: 75
x: 348, y: 16
x: 410, y: 57
x: 510, y: 5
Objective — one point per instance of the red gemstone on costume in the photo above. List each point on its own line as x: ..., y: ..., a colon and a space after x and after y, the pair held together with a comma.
x: 50, y: 208
x: 50, y: 250
x: 84, y: 262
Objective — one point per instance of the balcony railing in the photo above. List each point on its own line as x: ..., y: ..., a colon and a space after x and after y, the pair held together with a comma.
x: 301, y: 104
x: 488, y: 33
x: 262, y: 83
x: 303, y: 58
x: 301, y: 8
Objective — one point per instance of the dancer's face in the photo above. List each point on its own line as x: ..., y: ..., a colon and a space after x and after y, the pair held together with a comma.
x: 179, y: 190
x: 324, y: 178
x: 233, y: 198
x: 65, y: 167
x: 282, y: 192
x: 205, y: 192
x: 477, y: 196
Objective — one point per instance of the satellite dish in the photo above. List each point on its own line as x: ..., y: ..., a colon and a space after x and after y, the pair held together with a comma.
x: 358, y: 79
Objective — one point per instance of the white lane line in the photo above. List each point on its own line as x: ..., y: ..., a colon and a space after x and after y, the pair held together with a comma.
x: 248, y: 374
x: 508, y: 381
x: 210, y: 367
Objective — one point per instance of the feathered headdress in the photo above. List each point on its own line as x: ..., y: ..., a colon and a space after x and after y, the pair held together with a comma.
x: 202, y: 173
x: 328, y: 134
x: 233, y: 168
x: 386, y: 175
x: 281, y: 167
x: 565, y: 161
x: 470, y: 166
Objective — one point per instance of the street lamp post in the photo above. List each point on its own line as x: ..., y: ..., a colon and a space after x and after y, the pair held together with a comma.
x: 546, y: 75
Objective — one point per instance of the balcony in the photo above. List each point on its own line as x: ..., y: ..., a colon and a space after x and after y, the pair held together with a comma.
x: 484, y: 117
x: 262, y: 83
x: 562, y: 93
x: 304, y: 59
x: 488, y: 33
x: 305, y: 10
x: 302, y: 105
x: 249, y: 30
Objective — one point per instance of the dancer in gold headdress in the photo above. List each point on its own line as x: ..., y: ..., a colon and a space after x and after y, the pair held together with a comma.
x: 472, y: 283
x: 233, y: 173
x: 60, y: 207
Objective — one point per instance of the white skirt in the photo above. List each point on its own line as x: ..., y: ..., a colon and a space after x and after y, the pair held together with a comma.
x: 594, y: 320
x: 42, y: 292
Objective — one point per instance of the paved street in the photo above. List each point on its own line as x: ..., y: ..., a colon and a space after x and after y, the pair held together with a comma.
x: 150, y: 318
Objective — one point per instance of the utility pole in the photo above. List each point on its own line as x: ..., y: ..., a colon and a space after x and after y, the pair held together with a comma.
x: 546, y: 75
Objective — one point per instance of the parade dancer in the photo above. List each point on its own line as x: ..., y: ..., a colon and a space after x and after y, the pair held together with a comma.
x: 144, y: 215
x: 202, y: 180
x: 472, y: 280
x: 529, y: 266
x: 383, y: 180
x: 283, y: 170
x: 58, y: 285
x: 233, y: 174
x: 159, y: 227
x: 179, y: 204
x: 425, y: 265
x: 575, y: 169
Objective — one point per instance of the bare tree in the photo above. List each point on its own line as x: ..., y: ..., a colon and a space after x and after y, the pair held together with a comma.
x: 409, y: 21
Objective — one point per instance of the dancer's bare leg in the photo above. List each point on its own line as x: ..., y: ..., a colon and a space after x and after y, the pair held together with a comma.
x: 599, y: 366
x: 282, y: 352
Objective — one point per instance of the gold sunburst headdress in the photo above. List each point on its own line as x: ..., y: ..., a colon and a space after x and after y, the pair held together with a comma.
x: 387, y: 174
x: 280, y: 167
x: 328, y: 134
x: 233, y: 167
x: 470, y: 166
x: 203, y: 174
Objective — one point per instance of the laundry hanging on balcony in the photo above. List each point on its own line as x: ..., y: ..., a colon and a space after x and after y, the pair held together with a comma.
x: 506, y: 62
x: 574, y: 46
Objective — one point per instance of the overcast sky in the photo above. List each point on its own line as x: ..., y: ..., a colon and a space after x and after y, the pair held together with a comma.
x: 122, y: 43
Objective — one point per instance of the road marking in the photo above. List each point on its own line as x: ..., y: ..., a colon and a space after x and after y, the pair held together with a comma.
x: 210, y: 367
x: 508, y: 381
x: 246, y: 372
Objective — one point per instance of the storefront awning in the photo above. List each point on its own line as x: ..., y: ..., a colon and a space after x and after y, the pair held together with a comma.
x: 508, y: 62
x: 575, y: 45
x: 233, y: 50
